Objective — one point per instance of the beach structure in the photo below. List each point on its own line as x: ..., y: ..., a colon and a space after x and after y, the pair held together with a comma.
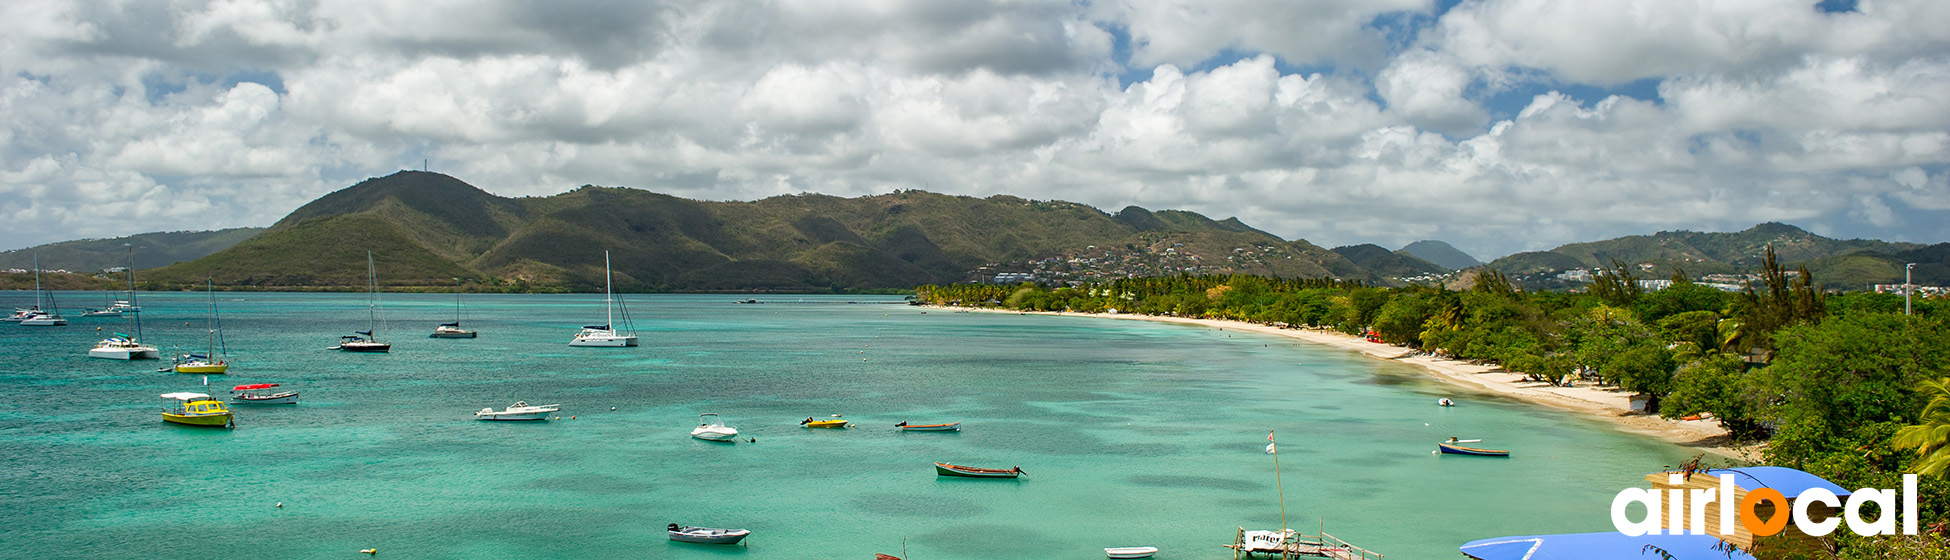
x: 1286, y: 543
x: 1789, y: 482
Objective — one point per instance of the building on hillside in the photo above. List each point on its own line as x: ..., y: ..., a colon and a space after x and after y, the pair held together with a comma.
x: 1575, y: 275
x: 1653, y: 285
x: 1013, y: 277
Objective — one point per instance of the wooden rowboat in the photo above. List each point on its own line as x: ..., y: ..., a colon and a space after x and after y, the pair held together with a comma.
x: 1460, y: 450
x: 944, y: 469
x: 949, y: 427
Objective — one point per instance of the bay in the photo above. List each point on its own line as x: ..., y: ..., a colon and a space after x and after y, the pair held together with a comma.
x: 1132, y: 434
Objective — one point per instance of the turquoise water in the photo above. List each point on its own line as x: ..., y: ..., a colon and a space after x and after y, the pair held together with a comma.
x: 1132, y: 434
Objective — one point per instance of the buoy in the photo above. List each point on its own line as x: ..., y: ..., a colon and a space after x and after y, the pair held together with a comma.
x: 572, y: 417
x: 280, y: 504
x: 373, y: 551
x: 612, y: 408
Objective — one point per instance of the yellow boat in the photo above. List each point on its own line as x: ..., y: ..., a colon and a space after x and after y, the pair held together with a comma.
x: 197, y: 363
x: 195, y: 409
x: 834, y: 422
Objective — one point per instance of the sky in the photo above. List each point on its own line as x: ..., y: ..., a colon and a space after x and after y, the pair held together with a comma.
x: 1495, y: 125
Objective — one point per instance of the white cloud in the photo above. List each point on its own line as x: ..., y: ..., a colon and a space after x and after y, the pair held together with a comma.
x: 122, y: 118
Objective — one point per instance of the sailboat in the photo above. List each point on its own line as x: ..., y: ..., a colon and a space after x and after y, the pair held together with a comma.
x: 49, y: 316
x: 215, y: 360
x: 365, y: 341
x: 121, y: 346
x: 453, y: 330
x: 604, y: 335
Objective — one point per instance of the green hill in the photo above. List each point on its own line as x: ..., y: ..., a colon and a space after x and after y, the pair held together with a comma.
x: 151, y: 250
x: 1442, y: 254
x: 1700, y: 253
x: 1384, y: 262
x: 425, y: 229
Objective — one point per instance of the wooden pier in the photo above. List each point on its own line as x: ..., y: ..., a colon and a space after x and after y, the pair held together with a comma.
x: 1298, y: 546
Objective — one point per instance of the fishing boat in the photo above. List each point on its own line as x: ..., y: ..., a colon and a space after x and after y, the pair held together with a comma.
x: 949, y: 427
x: 262, y: 393
x: 1453, y: 449
x: 122, y: 346
x: 603, y: 335
x: 453, y: 330
x: 711, y: 428
x: 365, y: 341
x: 945, y: 469
x: 1131, y: 552
x: 42, y: 317
x: 707, y: 535
x: 521, y: 410
x: 832, y: 422
x: 195, y: 409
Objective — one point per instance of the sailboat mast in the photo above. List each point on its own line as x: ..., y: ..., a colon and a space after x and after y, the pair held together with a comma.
x: 210, y: 324
x: 456, y: 301
x: 1276, y: 479
x: 609, y: 309
x: 372, y: 297
x: 132, y: 303
x: 37, y: 279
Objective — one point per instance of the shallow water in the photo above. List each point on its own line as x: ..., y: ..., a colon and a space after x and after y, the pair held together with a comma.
x: 1132, y: 434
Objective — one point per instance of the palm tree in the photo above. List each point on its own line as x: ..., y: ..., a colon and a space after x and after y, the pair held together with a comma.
x: 1931, y: 438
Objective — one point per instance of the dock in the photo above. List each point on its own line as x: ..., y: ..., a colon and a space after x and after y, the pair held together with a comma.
x: 1298, y: 546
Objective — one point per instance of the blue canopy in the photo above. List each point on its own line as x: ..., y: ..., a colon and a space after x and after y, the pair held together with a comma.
x: 367, y: 333
x: 1600, y: 546
x: 1789, y: 481
x: 597, y: 327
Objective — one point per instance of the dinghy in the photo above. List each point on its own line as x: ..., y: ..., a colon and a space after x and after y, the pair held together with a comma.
x: 949, y: 427
x: 1131, y: 552
x: 945, y: 469
x: 1450, y: 449
x: 707, y: 535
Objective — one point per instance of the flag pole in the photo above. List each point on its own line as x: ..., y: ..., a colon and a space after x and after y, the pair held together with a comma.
x: 1276, y: 478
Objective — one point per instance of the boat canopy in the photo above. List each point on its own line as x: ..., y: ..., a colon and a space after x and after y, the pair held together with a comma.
x: 1790, y: 482
x: 196, y: 356
x: 1610, y: 545
x: 597, y: 327
x: 251, y: 387
x: 367, y: 333
x: 185, y: 396
x: 453, y: 324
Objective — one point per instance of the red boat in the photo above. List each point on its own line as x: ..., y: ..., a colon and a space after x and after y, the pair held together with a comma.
x: 256, y: 394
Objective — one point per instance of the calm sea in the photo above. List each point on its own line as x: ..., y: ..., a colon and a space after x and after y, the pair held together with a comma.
x: 1132, y: 434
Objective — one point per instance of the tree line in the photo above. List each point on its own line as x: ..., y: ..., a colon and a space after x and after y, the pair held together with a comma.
x: 1843, y: 385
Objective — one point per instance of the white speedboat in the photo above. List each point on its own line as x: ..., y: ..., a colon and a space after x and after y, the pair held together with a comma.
x: 262, y: 393
x: 710, y: 427
x: 44, y: 320
x: 707, y: 535
x: 120, y: 347
x: 604, y: 335
x: 521, y: 410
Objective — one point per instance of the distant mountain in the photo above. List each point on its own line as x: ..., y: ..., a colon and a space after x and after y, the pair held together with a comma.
x: 1860, y: 270
x: 425, y: 229
x: 1699, y: 253
x: 151, y: 250
x: 1384, y: 262
x: 1442, y: 254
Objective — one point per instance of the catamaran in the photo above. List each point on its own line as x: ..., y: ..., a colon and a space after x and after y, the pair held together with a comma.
x: 122, y: 346
x: 365, y: 341
x: 603, y: 335
x: 216, y: 360
x: 453, y: 330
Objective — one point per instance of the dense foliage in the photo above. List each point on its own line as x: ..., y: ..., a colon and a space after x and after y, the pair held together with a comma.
x: 1827, y: 379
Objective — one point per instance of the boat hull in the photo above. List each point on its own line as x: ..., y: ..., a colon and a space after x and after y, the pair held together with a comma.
x: 206, y: 420
x: 43, y: 321
x: 944, y: 469
x: 512, y: 416
x: 367, y: 347
x: 715, y: 435
x: 1131, y: 552
x: 701, y: 535
x: 450, y: 334
x: 826, y: 424
x: 144, y: 353
x: 952, y: 427
x: 604, y: 341
x: 1460, y: 450
x: 203, y: 368
x: 288, y: 397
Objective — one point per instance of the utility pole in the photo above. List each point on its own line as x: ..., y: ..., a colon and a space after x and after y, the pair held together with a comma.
x: 1907, y: 287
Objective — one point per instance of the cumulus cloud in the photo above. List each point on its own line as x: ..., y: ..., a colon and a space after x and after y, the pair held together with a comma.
x: 1407, y: 122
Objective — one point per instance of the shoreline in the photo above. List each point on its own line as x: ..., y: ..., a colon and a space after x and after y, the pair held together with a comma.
x: 1608, y: 405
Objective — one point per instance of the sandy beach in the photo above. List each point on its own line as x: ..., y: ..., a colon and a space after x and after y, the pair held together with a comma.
x: 1607, y: 404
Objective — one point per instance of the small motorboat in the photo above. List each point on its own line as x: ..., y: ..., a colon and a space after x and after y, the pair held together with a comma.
x: 195, y: 409
x: 262, y: 393
x: 1131, y: 552
x: 949, y: 427
x: 833, y: 422
x: 1445, y: 402
x: 521, y: 410
x: 945, y: 469
x: 1453, y: 449
x: 707, y: 535
x: 710, y: 428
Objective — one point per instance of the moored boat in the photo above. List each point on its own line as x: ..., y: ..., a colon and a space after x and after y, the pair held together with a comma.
x: 712, y: 428
x: 258, y: 394
x: 948, y: 427
x: 1131, y: 552
x: 38, y: 317
x: 833, y: 422
x: 365, y: 341
x: 604, y: 335
x: 1453, y: 449
x: 945, y: 469
x: 521, y: 410
x: 122, y: 347
x: 195, y: 409
x: 1445, y: 402
x: 706, y: 535
x: 453, y: 330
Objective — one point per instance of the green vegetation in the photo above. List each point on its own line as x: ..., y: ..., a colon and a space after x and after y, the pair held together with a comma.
x: 1841, y: 385
x: 1850, y: 264
x: 87, y: 256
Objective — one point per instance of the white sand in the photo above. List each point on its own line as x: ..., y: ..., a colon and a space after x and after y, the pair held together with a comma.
x: 1608, y: 404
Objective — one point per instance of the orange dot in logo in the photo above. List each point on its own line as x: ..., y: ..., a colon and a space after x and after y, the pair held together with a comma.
x: 1752, y: 520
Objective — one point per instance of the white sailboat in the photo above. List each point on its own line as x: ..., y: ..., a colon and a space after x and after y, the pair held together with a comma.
x: 453, y: 330
x: 217, y: 360
x: 604, y: 335
x: 366, y: 341
x: 121, y: 346
x: 49, y: 316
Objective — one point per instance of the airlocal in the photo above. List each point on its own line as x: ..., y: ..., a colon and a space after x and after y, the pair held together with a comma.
x: 1884, y: 524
